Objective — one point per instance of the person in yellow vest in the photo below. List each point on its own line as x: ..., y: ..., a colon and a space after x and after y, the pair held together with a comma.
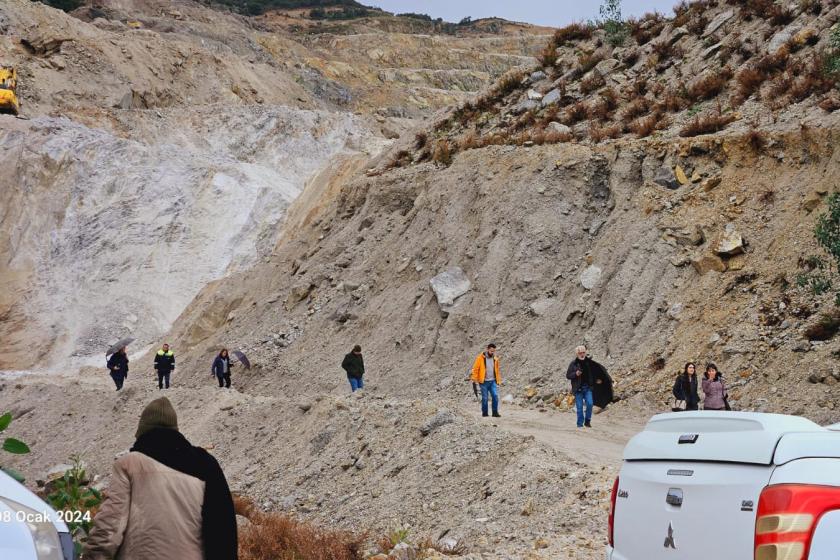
x: 164, y: 364
x: 485, y: 373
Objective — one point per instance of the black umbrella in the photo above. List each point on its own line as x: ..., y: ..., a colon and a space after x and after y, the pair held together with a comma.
x: 120, y: 344
x: 243, y: 359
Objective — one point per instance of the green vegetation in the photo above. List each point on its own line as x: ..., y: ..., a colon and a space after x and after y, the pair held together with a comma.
x: 12, y: 445
x: 256, y: 7
x: 832, y: 66
x: 66, y: 5
x: 612, y: 22
x: 827, y: 233
x: 72, y: 494
x: 346, y: 12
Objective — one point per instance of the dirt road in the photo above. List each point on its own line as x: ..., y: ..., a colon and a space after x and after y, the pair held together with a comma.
x: 601, y: 445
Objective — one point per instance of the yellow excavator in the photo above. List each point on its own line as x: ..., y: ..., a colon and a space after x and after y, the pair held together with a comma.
x: 8, y: 85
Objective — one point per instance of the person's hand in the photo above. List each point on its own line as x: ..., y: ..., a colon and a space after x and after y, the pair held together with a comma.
x: 578, y: 373
x: 598, y: 381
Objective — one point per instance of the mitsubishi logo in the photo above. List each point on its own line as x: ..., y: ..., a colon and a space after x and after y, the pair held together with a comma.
x: 669, y: 540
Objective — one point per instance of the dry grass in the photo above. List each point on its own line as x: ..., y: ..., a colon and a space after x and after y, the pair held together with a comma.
x: 646, y: 28
x: 591, y: 83
x: 752, y: 77
x: 710, y: 85
x: 826, y: 326
x: 830, y: 103
x: 756, y: 140
x: 672, y: 101
x: 598, y: 133
x: 401, y: 159
x: 665, y: 50
x: 588, y: 61
x: 645, y: 126
x: 443, y: 152
x: 636, y: 108
x: 469, y: 141
x: 572, y: 32
x: 420, y: 140
x: 280, y: 537
x: 749, y: 81
x: 603, y: 107
x: 707, y: 124
x: 813, y: 7
x: 548, y: 56
x: 575, y: 113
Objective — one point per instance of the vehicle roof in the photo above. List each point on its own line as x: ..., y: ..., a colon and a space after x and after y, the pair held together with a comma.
x: 737, y: 437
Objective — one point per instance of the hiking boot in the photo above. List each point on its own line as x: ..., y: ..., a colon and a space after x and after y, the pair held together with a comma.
x: 587, y: 424
x: 496, y: 415
x: 484, y: 415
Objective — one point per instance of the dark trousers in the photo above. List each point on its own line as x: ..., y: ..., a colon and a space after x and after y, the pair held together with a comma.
x: 224, y: 379
x: 163, y: 376
x: 118, y: 378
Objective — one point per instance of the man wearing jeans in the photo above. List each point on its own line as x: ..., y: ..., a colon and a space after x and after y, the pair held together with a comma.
x: 354, y: 365
x: 584, y: 374
x: 485, y: 372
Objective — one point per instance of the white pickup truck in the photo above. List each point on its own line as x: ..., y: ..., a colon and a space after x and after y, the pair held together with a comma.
x: 728, y: 486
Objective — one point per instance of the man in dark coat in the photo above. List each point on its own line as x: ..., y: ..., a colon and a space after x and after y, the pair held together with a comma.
x: 118, y: 366
x: 590, y: 385
x: 354, y: 365
x: 167, y: 499
x: 164, y: 364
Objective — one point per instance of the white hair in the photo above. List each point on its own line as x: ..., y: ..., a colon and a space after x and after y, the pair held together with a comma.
x: 580, y: 348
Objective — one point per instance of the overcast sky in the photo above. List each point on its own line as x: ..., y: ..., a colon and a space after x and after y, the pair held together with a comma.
x: 555, y: 13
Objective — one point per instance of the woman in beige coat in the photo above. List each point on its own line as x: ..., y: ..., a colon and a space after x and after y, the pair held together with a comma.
x: 167, y: 499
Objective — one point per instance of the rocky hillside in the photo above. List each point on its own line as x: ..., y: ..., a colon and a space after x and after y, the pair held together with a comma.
x: 95, y: 244
x: 655, y: 201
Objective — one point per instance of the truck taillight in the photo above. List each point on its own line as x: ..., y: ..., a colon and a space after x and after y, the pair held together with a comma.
x: 613, y: 496
x: 786, y: 519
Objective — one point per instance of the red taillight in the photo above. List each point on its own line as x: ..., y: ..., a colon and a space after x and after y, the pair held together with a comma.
x: 786, y: 519
x: 613, y: 496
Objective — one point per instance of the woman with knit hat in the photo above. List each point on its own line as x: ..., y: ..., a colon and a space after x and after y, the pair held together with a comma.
x: 167, y: 499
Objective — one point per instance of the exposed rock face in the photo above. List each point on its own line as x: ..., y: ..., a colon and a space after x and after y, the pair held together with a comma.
x: 449, y: 285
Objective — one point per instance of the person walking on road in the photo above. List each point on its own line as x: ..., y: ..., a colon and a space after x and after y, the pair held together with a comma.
x: 714, y: 390
x: 167, y: 499
x: 118, y: 366
x: 164, y: 364
x: 591, y: 385
x: 354, y: 365
x: 221, y: 368
x: 485, y: 373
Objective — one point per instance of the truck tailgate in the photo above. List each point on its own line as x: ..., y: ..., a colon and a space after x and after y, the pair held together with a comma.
x: 690, y: 484
x: 687, y: 510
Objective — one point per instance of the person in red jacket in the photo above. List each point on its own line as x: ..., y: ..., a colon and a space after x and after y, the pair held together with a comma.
x: 485, y: 373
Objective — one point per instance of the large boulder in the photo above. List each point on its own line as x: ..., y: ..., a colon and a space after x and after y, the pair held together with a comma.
x: 731, y: 243
x: 442, y: 418
x: 708, y: 263
x: 524, y: 106
x: 590, y: 277
x: 716, y: 23
x: 449, y: 285
x: 551, y: 98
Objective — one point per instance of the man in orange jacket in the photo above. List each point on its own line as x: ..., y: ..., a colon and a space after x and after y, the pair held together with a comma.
x: 485, y: 372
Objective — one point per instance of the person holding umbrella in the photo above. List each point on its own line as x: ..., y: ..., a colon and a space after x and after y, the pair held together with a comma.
x: 221, y: 368
x: 118, y: 365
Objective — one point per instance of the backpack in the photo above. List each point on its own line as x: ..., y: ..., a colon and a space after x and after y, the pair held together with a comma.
x: 679, y: 389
